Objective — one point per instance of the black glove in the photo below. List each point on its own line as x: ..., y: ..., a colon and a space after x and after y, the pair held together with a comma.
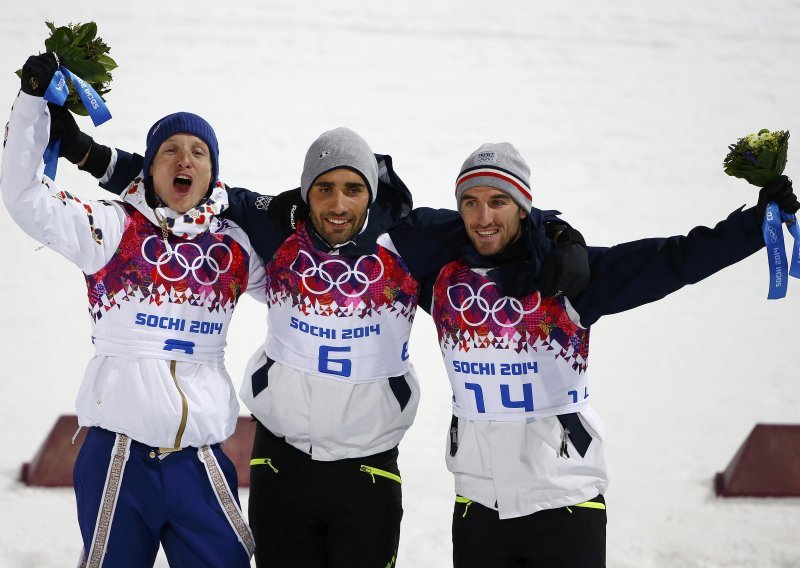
x: 566, y: 269
x: 779, y: 191
x: 74, y: 143
x: 287, y: 209
x: 37, y: 73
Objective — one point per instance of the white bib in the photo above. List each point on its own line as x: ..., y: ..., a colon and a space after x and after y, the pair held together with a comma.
x: 343, y: 318
x: 508, y: 358
x: 166, y: 300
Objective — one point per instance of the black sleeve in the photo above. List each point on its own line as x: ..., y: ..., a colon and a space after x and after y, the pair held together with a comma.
x: 427, y: 239
x: 265, y: 227
x: 127, y: 168
x: 639, y: 272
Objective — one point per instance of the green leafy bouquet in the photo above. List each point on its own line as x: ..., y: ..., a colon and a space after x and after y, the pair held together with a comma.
x: 758, y: 158
x: 80, y: 50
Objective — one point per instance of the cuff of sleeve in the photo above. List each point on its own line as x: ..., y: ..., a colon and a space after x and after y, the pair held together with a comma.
x: 98, y: 161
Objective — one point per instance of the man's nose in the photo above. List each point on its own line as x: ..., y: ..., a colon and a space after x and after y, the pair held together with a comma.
x: 338, y: 202
x: 185, y: 157
x: 484, y: 214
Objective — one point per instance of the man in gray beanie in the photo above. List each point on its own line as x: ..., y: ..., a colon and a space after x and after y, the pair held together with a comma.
x: 525, y: 447
x: 497, y: 165
x: 343, y: 172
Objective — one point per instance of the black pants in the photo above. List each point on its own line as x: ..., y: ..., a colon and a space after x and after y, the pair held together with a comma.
x: 318, y: 514
x: 568, y: 537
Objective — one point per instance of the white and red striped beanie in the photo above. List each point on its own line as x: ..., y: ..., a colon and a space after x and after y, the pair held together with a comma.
x: 497, y: 165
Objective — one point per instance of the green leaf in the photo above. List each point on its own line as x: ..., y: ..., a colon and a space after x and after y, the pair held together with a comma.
x: 89, y: 71
x: 107, y: 62
x: 58, y: 41
x: 69, y: 56
x: 87, y: 32
x: 783, y: 148
x: 78, y: 109
x: 765, y: 160
x: 51, y: 26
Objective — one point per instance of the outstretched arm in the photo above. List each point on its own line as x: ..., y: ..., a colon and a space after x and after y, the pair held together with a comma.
x: 632, y: 274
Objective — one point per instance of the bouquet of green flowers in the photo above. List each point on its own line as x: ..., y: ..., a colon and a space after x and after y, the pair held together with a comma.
x: 758, y: 158
x: 84, y: 54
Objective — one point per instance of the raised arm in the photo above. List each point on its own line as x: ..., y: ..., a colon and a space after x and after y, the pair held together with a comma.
x: 85, y: 232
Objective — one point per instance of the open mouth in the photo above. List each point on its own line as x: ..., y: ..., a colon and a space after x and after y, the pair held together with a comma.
x: 182, y: 183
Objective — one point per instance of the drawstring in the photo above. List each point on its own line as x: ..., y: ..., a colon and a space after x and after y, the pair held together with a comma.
x: 564, y: 451
x: 453, y: 436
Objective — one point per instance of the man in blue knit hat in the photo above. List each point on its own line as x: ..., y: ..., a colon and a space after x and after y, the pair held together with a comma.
x: 163, y: 275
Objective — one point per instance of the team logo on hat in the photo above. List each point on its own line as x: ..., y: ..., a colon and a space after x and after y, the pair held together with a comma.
x: 324, y: 153
x: 486, y: 158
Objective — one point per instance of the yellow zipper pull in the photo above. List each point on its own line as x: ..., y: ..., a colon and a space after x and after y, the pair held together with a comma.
x: 264, y: 461
x: 368, y: 470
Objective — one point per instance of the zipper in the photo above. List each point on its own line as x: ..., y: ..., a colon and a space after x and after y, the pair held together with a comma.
x: 264, y: 461
x: 184, y: 413
x: 588, y: 505
x: 162, y: 221
x: 373, y: 471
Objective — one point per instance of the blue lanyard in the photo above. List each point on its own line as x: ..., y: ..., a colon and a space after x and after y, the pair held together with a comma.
x: 57, y: 93
x: 779, y: 267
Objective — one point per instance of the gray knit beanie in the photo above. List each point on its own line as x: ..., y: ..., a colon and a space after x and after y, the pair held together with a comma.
x: 339, y: 148
x: 497, y: 165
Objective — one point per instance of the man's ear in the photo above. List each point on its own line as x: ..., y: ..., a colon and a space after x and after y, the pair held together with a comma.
x: 522, y: 213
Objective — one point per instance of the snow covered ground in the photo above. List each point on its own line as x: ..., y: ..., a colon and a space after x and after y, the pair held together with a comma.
x: 624, y: 110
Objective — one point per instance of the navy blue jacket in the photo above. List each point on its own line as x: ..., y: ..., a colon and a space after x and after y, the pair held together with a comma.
x: 632, y: 274
x: 425, y: 238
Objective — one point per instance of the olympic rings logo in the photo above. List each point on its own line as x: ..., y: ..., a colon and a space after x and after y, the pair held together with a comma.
x: 357, y: 272
x: 205, y: 260
x: 773, y: 234
x: 501, y: 305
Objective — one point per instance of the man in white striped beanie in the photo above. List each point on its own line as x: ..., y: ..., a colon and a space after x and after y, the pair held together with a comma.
x: 494, y: 180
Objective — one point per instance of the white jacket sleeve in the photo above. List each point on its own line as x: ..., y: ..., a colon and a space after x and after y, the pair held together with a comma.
x: 257, y: 282
x: 87, y: 233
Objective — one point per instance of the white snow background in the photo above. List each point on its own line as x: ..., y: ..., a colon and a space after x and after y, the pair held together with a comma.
x: 624, y: 110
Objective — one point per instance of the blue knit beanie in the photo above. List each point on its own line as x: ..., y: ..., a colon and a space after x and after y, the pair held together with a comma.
x: 180, y: 123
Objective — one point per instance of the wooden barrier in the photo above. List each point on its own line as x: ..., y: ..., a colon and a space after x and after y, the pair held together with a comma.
x: 766, y: 465
x: 52, y: 464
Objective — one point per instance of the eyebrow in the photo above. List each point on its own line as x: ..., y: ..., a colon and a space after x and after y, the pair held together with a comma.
x: 499, y: 194
x: 350, y: 184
